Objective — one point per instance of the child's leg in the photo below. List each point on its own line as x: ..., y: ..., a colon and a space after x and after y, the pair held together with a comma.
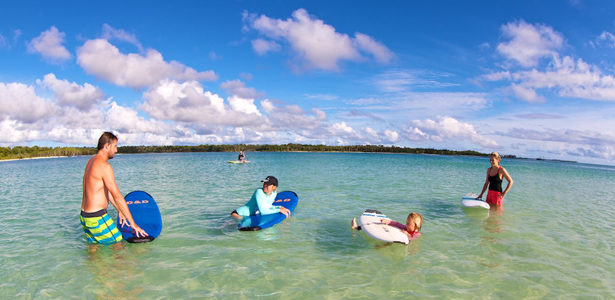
x: 235, y: 215
x: 353, y: 224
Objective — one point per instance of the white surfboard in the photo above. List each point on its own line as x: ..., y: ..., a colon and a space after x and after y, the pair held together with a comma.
x: 371, y: 225
x: 469, y: 200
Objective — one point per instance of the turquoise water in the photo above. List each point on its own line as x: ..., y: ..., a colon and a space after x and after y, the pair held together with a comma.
x: 554, y: 239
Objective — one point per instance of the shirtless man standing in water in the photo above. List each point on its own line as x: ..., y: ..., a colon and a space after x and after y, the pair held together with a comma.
x: 99, y: 188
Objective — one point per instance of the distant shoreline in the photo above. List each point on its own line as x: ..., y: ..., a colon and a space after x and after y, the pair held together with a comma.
x: 39, y: 157
x: 327, y: 149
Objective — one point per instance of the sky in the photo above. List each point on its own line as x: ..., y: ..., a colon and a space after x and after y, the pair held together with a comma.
x: 533, y: 79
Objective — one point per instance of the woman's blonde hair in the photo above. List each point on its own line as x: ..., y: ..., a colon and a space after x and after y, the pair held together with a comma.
x: 496, y: 155
x: 417, y: 219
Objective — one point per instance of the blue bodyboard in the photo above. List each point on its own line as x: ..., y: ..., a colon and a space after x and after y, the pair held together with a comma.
x: 146, y: 214
x: 287, y: 199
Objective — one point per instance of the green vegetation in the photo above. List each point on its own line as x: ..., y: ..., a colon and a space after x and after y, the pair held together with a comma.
x: 35, y: 151
x: 20, y: 152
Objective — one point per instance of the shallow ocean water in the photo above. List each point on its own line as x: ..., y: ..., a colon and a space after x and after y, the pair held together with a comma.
x: 554, y: 239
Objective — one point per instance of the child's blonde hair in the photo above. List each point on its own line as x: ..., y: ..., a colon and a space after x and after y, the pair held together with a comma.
x: 417, y: 219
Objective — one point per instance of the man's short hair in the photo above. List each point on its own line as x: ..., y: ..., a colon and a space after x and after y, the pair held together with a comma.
x: 106, y: 138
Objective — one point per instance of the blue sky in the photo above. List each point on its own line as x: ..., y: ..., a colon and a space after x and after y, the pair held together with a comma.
x: 529, y: 78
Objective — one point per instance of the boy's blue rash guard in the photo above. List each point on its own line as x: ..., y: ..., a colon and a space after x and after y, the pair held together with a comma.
x: 261, y: 202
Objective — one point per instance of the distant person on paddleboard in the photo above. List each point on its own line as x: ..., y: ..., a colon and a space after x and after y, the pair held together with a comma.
x: 241, y: 157
x: 262, y: 200
x: 99, y: 188
x: 414, y: 221
x: 495, y: 174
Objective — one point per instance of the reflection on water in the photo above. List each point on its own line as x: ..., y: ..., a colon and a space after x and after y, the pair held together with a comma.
x: 491, y: 239
x: 116, y: 268
x: 493, y: 223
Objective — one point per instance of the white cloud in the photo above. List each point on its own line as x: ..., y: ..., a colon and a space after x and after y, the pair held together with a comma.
x: 20, y: 103
x: 381, y: 53
x: 327, y: 97
x: 372, y: 136
x: 391, y: 136
x: 335, y: 131
x: 497, y: 76
x: 78, y: 136
x: 415, y: 135
x: 581, y: 137
x: 370, y: 133
x: 261, y: 47
x: 49, y: 45
x: 567, y: 77
x: 320, y: 115
x: 179, y: 113
x: 601, y: 152
x: 527, y: 94
x: 392, y: 81
x: 315, y: 44
x: 354, y: 113
x: 188, y: 102
x: 607, y: 38
x: 109, y: 33
x: 242, y: 105
x: 16, y: 35
x: 446, y: 128
x: 529, y: 43
x: 104, y: 60
x: 214, y: 56
x: 66, y: 93
x: 586, y: 143
x: 564, y: 76
x: 246, y: 76
x: 267, y: 105
x: 294, y: 118
x: 73, y: 118
x: 3, y: 42
x: 341, y: 129
x: 11, y: 132
x: 126, y: 120
x: 539, y: 116
x: 238, y: 88
x: 422, y: 105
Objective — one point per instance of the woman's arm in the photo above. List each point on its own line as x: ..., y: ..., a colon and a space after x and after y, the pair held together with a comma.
x: 509, y: 179
x: 485, y: 186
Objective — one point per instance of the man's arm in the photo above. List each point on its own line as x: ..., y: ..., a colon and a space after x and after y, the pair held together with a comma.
x: 118, y: 200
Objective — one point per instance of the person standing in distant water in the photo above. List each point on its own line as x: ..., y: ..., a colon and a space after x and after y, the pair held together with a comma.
x: 241, y: 157
x: 495, y: 174
x: 262, y: 200
x: 99, y: 188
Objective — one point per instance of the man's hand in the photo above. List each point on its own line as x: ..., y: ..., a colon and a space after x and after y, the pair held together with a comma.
x: 122, y: 220
x: 136, y: 230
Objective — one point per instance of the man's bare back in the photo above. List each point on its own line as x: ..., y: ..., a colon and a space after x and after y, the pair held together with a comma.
x: 99, y: 187
x: 95, y: 194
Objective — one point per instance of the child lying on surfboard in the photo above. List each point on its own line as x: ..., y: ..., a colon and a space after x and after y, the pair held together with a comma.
x: 411, y: 228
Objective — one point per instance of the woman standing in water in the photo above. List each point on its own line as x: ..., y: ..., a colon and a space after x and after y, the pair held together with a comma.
x: 495, y: 175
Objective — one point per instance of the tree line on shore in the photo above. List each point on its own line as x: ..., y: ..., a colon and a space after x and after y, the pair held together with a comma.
x: 21, y: 152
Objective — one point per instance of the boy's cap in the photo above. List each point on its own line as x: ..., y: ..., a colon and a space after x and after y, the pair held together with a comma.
x: 270, y: 180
